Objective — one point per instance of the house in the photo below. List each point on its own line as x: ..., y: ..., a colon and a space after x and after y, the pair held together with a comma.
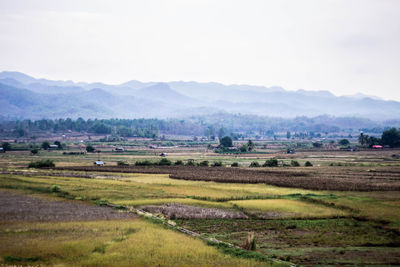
x: 2, y: 150
x: 163, y: 154
x: 51, y: 147
x: 119, y: 149
x: 99, y: 163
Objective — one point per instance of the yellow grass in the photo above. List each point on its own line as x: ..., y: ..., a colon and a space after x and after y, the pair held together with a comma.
x: 288, y: 208
x: 109, y: 243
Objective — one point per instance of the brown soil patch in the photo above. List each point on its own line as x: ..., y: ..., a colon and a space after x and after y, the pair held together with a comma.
x: 179, y: 211
x: 17, y: 207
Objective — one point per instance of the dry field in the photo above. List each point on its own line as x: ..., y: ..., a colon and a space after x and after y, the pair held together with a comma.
x: 347, y: 214
x: 341, y: 178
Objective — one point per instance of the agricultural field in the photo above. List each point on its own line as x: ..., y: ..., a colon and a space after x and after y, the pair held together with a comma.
x: 342, y: 210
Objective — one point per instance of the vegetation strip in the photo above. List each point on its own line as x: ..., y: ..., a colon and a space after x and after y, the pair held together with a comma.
x: 358, y: 179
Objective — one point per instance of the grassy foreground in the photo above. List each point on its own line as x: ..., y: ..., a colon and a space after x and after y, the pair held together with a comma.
x: 134, y: 242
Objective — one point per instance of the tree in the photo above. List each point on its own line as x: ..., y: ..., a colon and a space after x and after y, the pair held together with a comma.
x: 363, y: 139
x: 317, y: 144
x: 391, y: 137
x: 58, y: 144
x: 34, y: 151
x: 45, y: 145
x: 250, y: 145
x: 90, y: 148
x: 226, y: 141
x: 344, y: 142
x: 308, y: 164
x: 271, y: 163
x: 6, y: 146
x: 288, y: 135
x: 244, y: 148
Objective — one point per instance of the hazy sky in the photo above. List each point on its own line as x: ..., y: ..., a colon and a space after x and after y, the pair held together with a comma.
x: 345, y: 46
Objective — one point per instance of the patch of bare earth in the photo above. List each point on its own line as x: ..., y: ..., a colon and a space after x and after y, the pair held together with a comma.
x: 179, y: 211
x: 18, y: 207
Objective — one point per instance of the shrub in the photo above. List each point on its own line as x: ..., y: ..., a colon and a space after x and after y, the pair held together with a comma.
x: 308, y: 164
x: 178, y: 163
x: 55, y: 188
x: 122, y: 163
x: 190, y: 163
x: 90, y: 148
x: 45, y: 163
x: 255, y: 164
x: 144, y: 163
x: 204, y: 163
x: 6, y: 146
x: 271, y: 163
x: 164, y: 162
x: 294, y: 163
x: 217, y: 164
x: 34, y: 151
x: 235, y: 164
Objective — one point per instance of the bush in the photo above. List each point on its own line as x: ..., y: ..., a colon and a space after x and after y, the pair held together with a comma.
x: 204, y: 163
x: 294, y: 163
x: 55, y: 188
x: 164, y: 162
x: 217, y: 164
x: 308, y: 164
x: 190, y: 163
x: 6, y: 146
x: 271, y: 163
x: 122, y: 163
x: 254, y: 164
x: 144, y: 163
x: 235, y: 164
x: 34, y: 151
x: 45, y: 163
x: 90, y: 148
x: 178, y: 163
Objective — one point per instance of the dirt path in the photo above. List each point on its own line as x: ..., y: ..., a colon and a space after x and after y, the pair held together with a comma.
x: 18, y: 207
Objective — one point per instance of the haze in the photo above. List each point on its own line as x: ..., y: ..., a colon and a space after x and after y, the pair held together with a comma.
x: 342, y: 46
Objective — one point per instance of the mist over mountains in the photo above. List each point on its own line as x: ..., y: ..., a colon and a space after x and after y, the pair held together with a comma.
x: 25, y: 97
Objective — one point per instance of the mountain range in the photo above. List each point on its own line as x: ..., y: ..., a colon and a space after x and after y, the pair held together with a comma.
x: 23, y: 96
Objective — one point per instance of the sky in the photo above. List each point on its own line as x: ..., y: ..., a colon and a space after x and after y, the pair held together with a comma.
x: 344, y: 46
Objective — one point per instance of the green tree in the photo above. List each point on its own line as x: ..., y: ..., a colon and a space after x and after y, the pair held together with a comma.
x: 391, y: 137
x: 250, y: 145
x: 344, y: 142
x: 363, y: 139
x: 271, y: 163
x: 6, y: 146
x: 90, y: 148
x: 45, y: 145
x: 58, y: 144
x: 244, y: 148
x: 288, y: 135
x: 226, y: 141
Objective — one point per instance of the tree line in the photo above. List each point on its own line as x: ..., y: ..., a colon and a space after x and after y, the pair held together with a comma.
x: 390, y: 137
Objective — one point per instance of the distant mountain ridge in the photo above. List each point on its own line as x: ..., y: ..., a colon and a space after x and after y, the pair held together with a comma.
x: 23, y: 96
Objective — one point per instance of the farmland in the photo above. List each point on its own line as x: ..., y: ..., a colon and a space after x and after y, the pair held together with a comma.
x: 343, y: 210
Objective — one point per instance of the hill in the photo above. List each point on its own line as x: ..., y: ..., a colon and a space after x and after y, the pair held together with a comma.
x: 23, y: 96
